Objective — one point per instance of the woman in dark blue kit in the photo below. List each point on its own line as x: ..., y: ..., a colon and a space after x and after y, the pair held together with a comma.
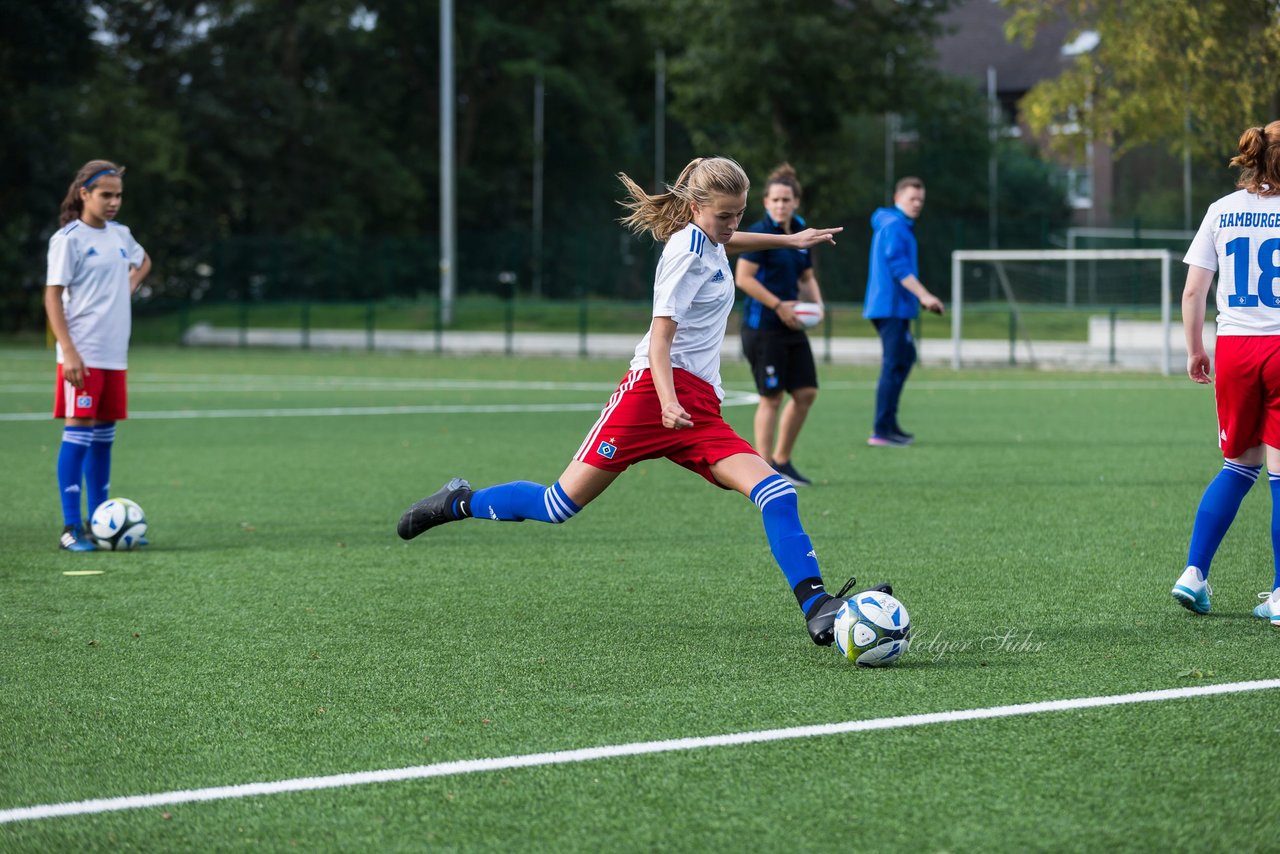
x: 773, y: 338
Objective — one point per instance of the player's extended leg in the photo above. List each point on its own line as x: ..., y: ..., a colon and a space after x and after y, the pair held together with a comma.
x: 791, y: 547
x: 577, y: 487
x: 1217, y: 510
x: 508, y: 502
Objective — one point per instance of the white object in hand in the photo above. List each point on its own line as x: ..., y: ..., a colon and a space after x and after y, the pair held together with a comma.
x: 809, y: 313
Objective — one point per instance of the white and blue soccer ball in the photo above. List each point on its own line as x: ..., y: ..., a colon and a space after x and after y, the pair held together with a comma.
x: 872, y: 629
x: 118, y: 524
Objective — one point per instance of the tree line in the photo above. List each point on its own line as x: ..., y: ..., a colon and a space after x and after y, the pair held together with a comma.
x: 315, y: 122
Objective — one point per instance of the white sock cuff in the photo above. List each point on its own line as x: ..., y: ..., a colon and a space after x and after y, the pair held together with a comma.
x: 1250, y: 472
x: 77, y: 435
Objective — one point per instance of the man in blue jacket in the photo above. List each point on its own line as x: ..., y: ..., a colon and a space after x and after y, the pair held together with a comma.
x: 895, y: 296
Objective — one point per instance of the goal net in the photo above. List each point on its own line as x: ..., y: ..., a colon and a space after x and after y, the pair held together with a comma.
x: 1021, y: 306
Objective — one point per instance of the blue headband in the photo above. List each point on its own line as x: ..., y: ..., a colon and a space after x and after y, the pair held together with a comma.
x: 96, y: 175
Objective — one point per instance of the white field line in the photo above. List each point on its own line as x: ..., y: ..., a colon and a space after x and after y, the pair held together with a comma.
x: 1016, y: 385
x: 258, y: 384
x: 319, y: 411
x: 730, y: 399
x: 278, y: 384
x: 591, y: 754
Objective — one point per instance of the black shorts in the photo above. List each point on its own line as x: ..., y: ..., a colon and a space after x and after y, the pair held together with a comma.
x: 780, y: 361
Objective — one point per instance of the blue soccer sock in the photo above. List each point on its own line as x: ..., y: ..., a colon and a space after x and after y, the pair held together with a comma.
x: 97, y: 465
x: 1273, y: 480
x: 792, y: 549
x: 522, y: 499
x: 1217, y: 510
x: 75, y: 446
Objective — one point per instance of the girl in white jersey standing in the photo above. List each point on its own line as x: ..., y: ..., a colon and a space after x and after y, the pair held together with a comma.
x: 95, y: 265
x: 1240, y: 241
x: 668, y: 404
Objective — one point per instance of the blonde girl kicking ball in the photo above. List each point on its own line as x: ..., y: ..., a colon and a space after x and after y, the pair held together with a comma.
x: 668, y: 404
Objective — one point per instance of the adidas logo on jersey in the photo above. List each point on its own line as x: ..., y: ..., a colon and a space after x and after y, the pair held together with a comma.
x: 718, y: 277
x: 91, y: 252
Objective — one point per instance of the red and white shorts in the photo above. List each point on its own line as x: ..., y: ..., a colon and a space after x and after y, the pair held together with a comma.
x: 630, y: 428
x: 1247, y: 389
x: 103, y: 398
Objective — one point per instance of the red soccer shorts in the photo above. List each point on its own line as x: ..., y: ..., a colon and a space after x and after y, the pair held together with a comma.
x: 630, y: 428
x: 1247, y: 388
x: 103, y: 398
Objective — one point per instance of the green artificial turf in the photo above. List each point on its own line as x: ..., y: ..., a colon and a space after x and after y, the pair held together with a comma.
x: 277, y: 628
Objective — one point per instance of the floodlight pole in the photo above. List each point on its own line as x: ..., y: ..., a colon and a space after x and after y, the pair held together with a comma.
x: 993, y: 136
x: 448, y: 183
x: 1166, y: 296
x: 890, y: 131
x: 539, y: 97
x: 659, y: 119
x: 1186, y: 170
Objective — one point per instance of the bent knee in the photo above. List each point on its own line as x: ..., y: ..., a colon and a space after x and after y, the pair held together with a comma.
x: 804, y: 396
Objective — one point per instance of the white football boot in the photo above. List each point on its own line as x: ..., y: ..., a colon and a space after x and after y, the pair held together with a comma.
x: 1191, y: 591
x: 1270, y: 608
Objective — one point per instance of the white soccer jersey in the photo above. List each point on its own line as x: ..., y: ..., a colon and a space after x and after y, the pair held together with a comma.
x: 92, y: 265
x: 694, y: 287
x: 1240, y: 239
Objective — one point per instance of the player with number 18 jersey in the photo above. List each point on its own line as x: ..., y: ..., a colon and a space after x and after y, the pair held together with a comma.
x: 1239, y: 240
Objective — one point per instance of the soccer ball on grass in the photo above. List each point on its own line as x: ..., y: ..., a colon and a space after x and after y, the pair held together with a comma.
x: 118, y: 524
x: 872, y: 629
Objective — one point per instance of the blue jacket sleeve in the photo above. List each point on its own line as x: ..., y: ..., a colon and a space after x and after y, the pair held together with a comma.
x: 898, y: 253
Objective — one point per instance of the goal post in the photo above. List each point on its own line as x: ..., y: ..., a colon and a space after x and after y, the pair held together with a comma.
x: 1000, y: 257
x: 1079, y: 237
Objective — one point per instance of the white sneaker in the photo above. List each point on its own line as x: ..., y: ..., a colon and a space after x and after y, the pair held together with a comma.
x: 1191, y: 591
x: 1269, y: 609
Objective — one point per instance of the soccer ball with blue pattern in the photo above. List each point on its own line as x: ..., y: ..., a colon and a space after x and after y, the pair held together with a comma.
x: 872, y: 629
x: 118, y: 524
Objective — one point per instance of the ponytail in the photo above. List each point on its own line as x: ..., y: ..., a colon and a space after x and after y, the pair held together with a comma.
x: 1259, y: 160
x: 664, y: 214
x: 784, y: 174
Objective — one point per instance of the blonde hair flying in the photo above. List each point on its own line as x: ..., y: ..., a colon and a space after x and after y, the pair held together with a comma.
x: 665, y: 214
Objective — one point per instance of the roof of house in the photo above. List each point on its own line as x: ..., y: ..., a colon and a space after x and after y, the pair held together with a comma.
x: 977, y: 41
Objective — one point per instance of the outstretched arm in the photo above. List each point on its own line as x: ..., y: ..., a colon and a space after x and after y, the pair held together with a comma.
x: 753, y: 241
